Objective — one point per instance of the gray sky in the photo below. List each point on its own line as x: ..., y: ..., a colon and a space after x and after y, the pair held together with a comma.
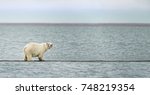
x: 75, y: 11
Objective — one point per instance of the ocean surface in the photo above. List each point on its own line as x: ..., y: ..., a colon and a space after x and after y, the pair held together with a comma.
x: 76, y: 42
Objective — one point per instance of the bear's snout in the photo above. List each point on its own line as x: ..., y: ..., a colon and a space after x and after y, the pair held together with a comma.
x: 51, y: 45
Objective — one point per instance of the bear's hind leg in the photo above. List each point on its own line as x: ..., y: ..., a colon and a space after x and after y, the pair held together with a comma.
x: 29, y: 57
x: 25, y: 58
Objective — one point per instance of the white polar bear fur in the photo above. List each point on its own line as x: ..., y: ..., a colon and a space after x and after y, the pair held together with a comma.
x: 35, y: 50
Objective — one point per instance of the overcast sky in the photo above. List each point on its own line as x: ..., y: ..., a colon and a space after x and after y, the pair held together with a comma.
x: 75, y: 11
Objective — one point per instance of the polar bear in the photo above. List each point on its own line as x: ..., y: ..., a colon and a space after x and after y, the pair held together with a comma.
x: 33, y: 49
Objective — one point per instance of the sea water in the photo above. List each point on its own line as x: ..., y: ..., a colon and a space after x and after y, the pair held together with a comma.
x: 77, y: 42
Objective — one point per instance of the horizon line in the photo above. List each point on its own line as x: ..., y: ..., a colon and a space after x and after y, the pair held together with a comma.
x: 72, y: 23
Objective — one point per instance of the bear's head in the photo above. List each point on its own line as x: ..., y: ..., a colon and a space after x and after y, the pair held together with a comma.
x: 49, y: 45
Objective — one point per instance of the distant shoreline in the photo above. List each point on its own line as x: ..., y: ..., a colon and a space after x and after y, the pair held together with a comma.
x: 78, y: 24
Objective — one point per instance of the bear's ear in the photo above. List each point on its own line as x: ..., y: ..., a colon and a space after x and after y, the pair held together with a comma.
x: 47, y: 45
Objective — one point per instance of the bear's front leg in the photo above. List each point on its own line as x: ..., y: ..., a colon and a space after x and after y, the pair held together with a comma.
x: 40, y: 57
